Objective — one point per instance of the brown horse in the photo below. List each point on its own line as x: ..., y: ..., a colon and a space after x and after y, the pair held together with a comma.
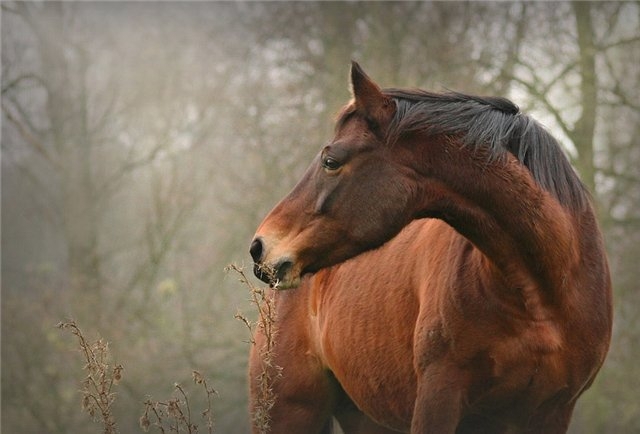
x: 478, y: 296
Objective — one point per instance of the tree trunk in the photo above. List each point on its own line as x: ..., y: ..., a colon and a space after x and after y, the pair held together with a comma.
x: 583, y: 131
x: 65, y: 67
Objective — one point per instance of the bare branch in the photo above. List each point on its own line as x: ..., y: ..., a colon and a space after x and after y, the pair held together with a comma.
x: 6, y: 8
x: 628, y: 177
x: 553, y: 111
x: 21, y: 78
x: 513, y: 51
x: 44, y: 204
x: 630, y: 222
x: 567, y: 69
x: 129, y: 166
x: 31, y: 139
x: 625, y: 41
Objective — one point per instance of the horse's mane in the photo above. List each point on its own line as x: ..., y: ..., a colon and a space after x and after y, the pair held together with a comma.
x: 495, y: 124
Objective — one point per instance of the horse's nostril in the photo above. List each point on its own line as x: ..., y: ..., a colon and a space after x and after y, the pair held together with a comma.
x: 282, y: 269
x: 256, y: 250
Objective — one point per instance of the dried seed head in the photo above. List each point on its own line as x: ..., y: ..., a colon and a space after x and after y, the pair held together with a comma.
x: 145, y: 423
x: 197, y: 377
x: 117, y: 373
x: 173, y: 409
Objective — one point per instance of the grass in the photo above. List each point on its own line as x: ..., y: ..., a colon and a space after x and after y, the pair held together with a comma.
x: 265, y: 397
x: 98, y: 395
x: 174, y: 415
x: 102, y: 375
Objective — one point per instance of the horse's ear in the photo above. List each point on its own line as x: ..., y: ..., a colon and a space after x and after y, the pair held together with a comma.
x: 369, y: 99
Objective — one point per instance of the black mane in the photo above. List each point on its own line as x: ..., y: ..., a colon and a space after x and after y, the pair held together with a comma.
x: 495, y: 124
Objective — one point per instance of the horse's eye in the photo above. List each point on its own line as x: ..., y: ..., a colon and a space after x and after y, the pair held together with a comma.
x: 330, y: 163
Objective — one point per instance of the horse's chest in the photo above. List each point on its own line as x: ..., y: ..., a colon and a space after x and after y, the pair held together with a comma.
x: 374, y: 366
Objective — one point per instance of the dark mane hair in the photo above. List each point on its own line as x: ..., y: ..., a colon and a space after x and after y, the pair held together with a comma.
x: 495, y: 124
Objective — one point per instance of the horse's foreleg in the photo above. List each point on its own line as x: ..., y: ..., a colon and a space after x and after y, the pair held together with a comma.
x: 553, y: 417
x: 438, y: 406
x: 291, y: 393
x: 354, y: 421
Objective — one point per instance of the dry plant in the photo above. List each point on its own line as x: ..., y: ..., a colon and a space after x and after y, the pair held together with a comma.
x: 174, y: 415
x: 264, y: 300
x: 102, y: 375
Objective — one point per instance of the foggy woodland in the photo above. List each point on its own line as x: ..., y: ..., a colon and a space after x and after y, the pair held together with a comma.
x: 142, y: 143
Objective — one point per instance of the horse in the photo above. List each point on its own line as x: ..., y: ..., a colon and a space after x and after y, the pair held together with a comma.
x: 439, y: 268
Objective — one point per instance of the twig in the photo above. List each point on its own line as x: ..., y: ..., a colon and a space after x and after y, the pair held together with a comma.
x: 174, y: 415
x: 101, y: 376
x: 264, y: 300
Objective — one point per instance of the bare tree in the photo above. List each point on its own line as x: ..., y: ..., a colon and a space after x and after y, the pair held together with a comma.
x: 142, y: 143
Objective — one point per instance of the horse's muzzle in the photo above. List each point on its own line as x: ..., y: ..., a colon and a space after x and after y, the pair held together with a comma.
x: 279, y: 274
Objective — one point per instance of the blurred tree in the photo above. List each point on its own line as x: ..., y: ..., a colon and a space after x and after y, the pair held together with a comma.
x: 109, y: 146
x: 579, y: 81
x: 64, y: 141
x: 142, y: 144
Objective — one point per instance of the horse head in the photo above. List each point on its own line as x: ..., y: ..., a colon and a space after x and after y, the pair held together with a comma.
x: 353, y: 197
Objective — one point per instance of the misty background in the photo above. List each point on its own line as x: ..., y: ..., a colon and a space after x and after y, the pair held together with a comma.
x: 142, y: 143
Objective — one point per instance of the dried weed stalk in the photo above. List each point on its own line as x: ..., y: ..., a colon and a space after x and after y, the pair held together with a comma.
x: 102, y: 375
x: 264, y: 300
x: 174, y: 415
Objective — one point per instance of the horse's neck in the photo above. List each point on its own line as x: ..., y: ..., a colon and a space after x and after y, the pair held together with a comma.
x: 497, y: 205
